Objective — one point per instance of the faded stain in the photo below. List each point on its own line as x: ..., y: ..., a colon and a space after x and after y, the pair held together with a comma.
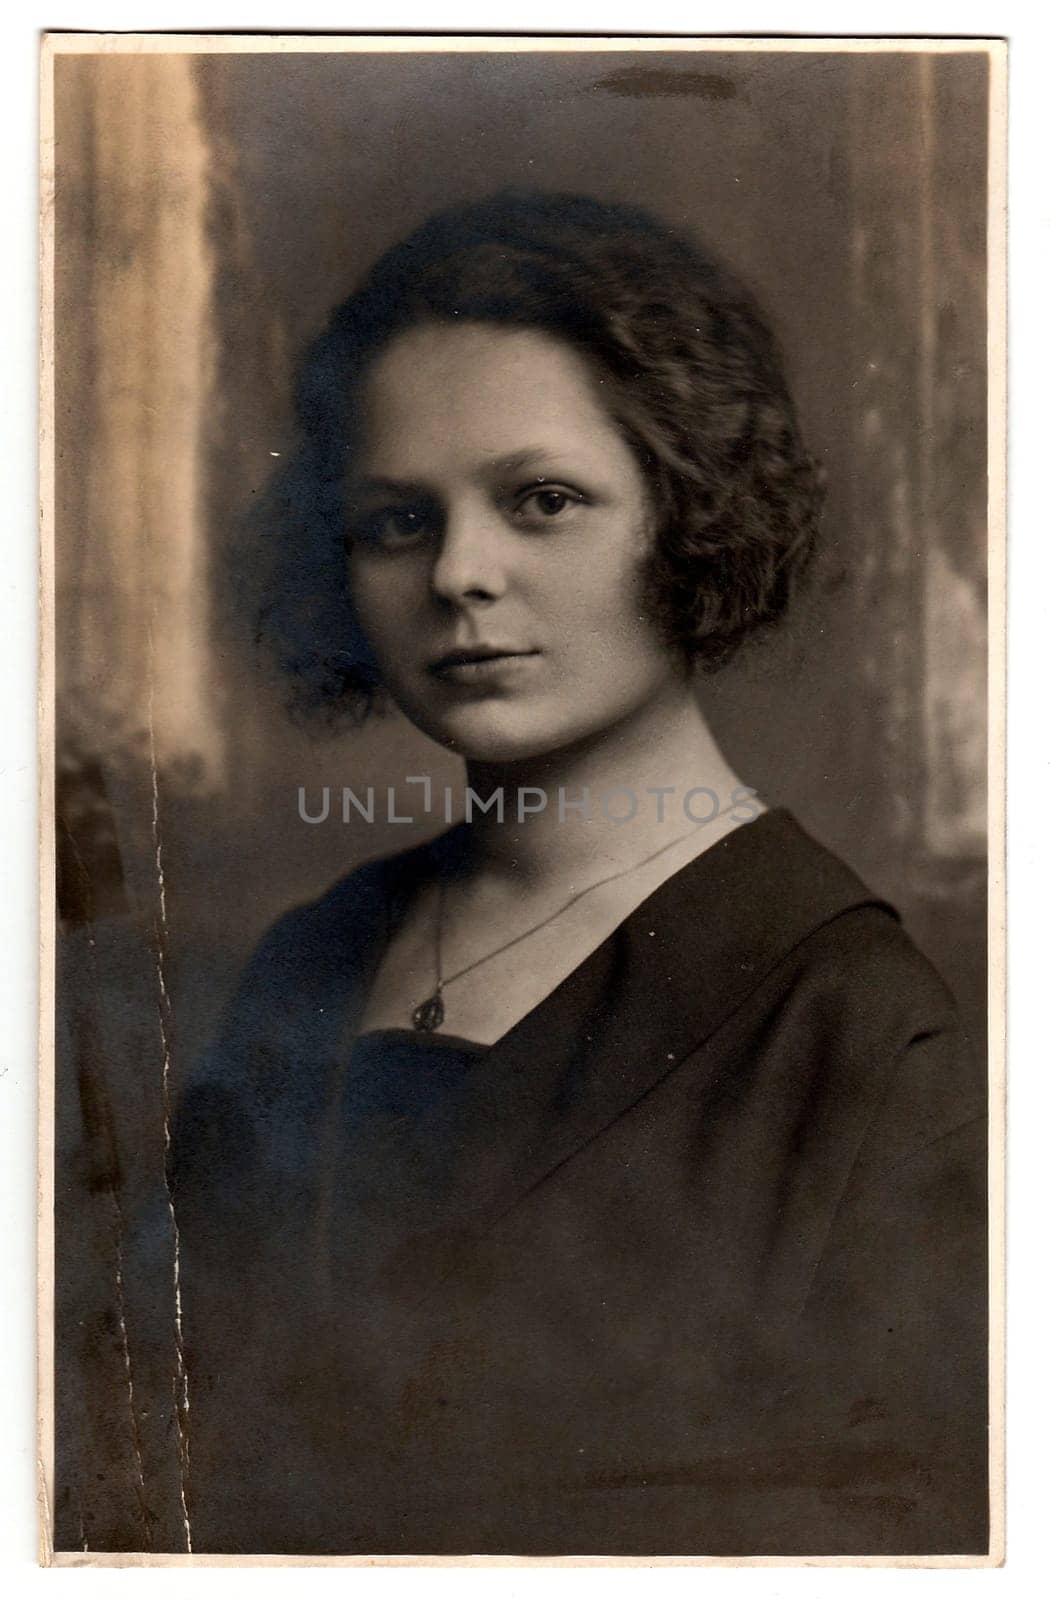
x: 654, y: 82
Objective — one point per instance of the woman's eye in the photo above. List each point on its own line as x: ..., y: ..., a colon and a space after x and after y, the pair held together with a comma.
x: 544, y: 503
x: 390, y: 528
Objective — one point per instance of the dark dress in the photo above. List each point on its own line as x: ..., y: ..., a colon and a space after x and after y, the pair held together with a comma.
x: 691, y: 1261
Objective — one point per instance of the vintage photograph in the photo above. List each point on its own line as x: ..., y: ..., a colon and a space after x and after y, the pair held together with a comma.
x: 520, y: 1020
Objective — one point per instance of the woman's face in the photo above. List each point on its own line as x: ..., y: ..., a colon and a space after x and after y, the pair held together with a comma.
x: 498, y: 525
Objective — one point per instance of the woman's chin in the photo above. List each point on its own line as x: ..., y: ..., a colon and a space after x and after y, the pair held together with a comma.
x: 496, y: 734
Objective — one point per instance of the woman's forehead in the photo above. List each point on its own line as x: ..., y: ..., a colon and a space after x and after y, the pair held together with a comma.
x: 444, y: 391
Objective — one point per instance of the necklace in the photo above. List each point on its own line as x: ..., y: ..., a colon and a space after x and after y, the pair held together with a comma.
x: 430, y: 1013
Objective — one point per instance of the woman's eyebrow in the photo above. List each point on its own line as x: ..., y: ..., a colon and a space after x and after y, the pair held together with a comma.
x: 522, y: 460
x: 380, y: 485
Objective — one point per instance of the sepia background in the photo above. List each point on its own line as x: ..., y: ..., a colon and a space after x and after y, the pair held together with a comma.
x: 209, y: 211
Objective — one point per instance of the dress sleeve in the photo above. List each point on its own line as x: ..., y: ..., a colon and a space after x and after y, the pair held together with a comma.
x: 895, y: 1322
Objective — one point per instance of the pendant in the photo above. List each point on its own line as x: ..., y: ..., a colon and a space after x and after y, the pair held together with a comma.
x: 429, y: 1014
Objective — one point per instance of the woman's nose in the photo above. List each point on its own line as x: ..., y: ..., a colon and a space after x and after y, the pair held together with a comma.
x: 470, y: 559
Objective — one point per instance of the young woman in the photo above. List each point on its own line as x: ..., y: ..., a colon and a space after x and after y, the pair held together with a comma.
x: 605, y: 1176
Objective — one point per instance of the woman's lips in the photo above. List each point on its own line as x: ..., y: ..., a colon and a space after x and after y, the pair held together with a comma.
x: 481, y: 665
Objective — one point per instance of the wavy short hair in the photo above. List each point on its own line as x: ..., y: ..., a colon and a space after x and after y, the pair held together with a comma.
x: 689, y: 371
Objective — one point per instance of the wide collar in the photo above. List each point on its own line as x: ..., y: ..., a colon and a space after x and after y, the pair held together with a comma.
x: 660, y: 985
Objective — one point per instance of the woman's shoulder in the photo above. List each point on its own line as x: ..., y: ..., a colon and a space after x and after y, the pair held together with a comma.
x: 771, y: 903
x: 310, y: 960
x: 354, y: 909
x: 816, y: 975
x: 866, y: 955
x: 287, y: 1014
x: 863, y: 993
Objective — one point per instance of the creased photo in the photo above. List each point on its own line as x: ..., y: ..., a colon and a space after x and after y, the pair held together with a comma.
x: 521, y: 713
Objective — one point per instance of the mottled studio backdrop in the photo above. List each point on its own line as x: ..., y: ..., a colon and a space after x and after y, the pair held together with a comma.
x: 209, y: 211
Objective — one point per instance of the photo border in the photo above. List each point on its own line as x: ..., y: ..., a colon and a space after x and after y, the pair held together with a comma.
x: 56, y: 44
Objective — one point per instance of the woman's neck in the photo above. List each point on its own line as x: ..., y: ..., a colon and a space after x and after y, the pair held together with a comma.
x: 660, y: 769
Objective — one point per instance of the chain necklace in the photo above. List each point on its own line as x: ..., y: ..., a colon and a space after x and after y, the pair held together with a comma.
x: 430, y: 1013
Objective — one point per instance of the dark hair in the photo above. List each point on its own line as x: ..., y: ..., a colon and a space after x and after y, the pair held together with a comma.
x: 689, y: 370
